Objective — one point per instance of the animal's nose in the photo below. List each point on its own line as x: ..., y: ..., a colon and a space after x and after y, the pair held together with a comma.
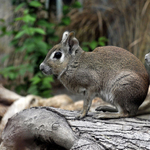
x: 42, y: 66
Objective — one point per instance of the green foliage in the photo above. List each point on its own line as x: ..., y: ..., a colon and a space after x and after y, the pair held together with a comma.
x: 66, y: 20
x: 30, y: 38
x: 92, y: 45
x: 66, y: 9
x: 76, y: 4
x: 10, y: 72
x: 3, y: 28
x: 40, y: 83
x: 35, y: 4
x: 34, y: 38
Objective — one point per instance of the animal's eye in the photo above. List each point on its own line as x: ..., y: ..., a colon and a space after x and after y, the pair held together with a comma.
x: 57, y: 55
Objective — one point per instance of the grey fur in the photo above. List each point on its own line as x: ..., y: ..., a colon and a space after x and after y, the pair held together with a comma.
x: 147, y: 59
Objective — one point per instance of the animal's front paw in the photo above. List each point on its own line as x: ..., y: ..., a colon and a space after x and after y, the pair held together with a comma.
x: 80, y: 116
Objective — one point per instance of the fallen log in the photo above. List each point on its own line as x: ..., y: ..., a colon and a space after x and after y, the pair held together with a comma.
x: 57, y: 129
x: 8, y: 97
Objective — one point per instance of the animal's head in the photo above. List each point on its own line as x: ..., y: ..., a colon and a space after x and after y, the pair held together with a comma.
x: 58, y: 57
x: 147, y: 59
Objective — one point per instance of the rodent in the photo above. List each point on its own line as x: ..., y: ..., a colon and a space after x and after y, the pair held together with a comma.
x: 147, y: 64
x: 147, y: 59
x: 112, y: 73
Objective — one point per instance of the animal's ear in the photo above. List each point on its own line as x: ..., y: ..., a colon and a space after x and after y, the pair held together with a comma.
x: 64, y: 37
x: 72, y: 43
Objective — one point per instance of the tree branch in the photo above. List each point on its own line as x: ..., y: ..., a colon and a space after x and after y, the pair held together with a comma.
x: 47, y: 127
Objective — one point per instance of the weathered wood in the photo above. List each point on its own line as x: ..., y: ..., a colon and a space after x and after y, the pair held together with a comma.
x: 3, y: 109
x: 123, y: 133
x: 120, y: 134
x: 7, y: 97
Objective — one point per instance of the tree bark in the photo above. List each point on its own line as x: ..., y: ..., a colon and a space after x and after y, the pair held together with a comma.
x: 88, y: 133
x: 7, y: 97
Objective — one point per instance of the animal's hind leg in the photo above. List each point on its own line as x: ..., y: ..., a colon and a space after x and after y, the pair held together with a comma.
x: 106, y: 108
x: 119, y: 112
x: 108, y: 115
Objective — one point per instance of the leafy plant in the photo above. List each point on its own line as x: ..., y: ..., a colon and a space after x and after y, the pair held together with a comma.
x: 3, y: 28
x: 30, y: 38
x: 66, y: 9
x: 92, y: 45
x: 42, y: 84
